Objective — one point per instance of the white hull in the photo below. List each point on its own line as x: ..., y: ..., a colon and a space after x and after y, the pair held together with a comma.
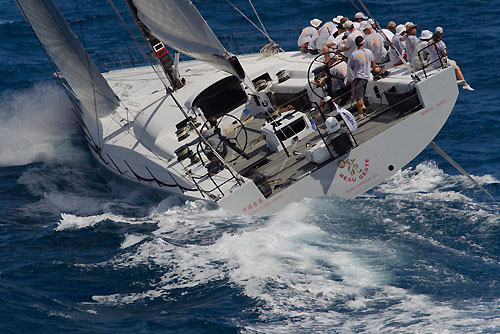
x: 138, y: 141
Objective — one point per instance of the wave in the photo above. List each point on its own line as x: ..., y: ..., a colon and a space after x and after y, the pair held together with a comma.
x: 427, y: 179
x: 304, y: 278
x: 33, y: 124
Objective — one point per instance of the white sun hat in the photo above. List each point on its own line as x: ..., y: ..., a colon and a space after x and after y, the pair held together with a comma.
x: 400, y: 29
x: 315, y: 22
x: 426, y: 35
x: 337, y: 19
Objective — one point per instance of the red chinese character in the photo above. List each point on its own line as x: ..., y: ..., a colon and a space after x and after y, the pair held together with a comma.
x: 261, y: 201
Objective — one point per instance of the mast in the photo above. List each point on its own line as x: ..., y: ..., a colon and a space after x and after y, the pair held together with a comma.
x: 158, y: 49
x: 178, y: 24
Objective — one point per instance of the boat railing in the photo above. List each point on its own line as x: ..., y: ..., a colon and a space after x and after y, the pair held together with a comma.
x: 241, y: 42
x: 116, y: 59
x: 245, y: 42
x: 440, y: 61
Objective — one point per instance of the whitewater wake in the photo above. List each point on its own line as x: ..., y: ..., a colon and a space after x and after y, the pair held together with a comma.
x: 315, y: 264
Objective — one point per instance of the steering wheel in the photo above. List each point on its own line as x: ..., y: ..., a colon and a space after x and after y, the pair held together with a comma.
x: 317, y: 70
x: 237, y: 140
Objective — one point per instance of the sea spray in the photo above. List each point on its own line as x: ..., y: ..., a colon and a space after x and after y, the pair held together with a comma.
x: 33, y: 123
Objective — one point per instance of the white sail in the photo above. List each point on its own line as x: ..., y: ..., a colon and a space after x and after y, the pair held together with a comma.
x: 178, y: 24
x: 70, y: 56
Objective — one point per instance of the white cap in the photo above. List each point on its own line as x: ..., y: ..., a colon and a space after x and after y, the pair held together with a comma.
x: 332, y: 124
x: 348, y: 24
x: 316, y: 22
x: 365, y: 25
x: 337, y: 19
x: 400, y: 29
x: 438, y: 30
x: 360, y: 15
x: 426, y: 35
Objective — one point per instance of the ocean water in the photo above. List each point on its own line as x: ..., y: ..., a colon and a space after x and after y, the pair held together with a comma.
x: 82, y: 252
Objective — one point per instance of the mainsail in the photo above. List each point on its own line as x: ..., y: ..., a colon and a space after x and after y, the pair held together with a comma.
x: 178, y: 24
x: 70, y: 56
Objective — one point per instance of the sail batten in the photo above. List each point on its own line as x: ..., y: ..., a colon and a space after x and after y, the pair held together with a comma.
x: 69, y: 55
x: 178, y: 24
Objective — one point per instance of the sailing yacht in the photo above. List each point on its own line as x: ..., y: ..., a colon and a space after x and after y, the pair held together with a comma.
x: 252, y: 132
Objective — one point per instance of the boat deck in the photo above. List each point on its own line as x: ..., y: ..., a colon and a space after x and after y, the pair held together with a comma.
x: 282, y: 170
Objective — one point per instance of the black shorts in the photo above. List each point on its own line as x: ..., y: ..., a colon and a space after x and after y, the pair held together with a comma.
x: 359, y: 88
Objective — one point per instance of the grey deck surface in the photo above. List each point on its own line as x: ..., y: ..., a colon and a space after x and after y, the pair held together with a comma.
x: 282, y: 170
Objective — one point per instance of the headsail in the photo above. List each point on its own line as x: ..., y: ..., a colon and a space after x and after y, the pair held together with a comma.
x: 70, y: 56
x: 178, y: 24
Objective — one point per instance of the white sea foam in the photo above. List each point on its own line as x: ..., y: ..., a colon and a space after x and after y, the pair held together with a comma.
x: 428, y: 178
x: 33, y: 123
x: 306, y: 279
x: 69, y: 221
x: 131, y: 240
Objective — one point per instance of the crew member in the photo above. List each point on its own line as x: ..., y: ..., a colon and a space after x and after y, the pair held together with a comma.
x: 360, y: 62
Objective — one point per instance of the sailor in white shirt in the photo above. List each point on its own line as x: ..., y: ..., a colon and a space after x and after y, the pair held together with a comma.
x: 350, y: 44
x: 419, y: 58
x: 358, y: 18
x: 339, y: 73
x: 327, y: 30
x: 399, y: 43
x: 360, y: 63
x: 438, y: 50
x: 389, y: 33
x: 411, y: 39
x: 375, y: 43
x: 441, y: 52
x: 333, y: 43
x: 308, y: 34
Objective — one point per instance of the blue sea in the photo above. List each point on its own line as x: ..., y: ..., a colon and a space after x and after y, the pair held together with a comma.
x: 83, y: 252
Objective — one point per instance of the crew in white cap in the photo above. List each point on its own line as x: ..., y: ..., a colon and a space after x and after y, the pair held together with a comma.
x: 308, y: 34
x: 334, y: 42
x: 420, y: 54
x: 439, y: 50
x: 399, y: 43
x: 375, y: 43
x: 338, y: 74
x: 350, y: 44
x: 358, y: 18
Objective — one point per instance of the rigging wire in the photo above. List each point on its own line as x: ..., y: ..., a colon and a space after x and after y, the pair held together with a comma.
x: 258, y: 17
x: 136, y: 42
x: 263, y: 32
x: 169, y: 93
